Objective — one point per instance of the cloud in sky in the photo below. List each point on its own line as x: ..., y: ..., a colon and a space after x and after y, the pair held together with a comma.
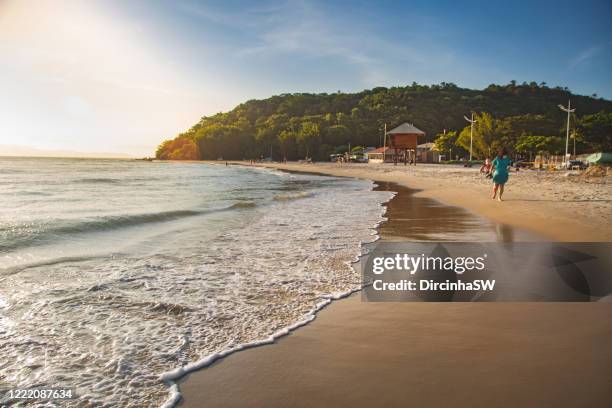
x: 121, y: 76
x: 585, y: 56
x: 306, y: 29
x: 290, y: 28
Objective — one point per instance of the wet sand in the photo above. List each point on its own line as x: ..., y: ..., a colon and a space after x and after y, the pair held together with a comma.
x: 425, y: 355
x: 361, y: 354
x: 416, y: 218
x: 560, y: 206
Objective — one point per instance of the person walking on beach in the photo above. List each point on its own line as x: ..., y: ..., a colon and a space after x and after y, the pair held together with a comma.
x: 486, y: 168
x: 500, y: 173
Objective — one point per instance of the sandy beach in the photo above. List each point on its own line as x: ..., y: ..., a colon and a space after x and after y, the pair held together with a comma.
x: 279, y: 204
x: 423, y: 354
x: 560, y: 206
x: 363, y: 354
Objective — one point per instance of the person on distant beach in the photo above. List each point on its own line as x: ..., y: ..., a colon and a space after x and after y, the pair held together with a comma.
x: 500, y: 173
x: 486, y: 168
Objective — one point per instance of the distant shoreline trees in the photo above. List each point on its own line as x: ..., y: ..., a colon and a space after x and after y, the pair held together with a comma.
x: 180, y: 148
x: 294, y: 126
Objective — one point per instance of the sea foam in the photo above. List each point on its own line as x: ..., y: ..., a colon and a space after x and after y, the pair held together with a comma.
x: 171, y: 297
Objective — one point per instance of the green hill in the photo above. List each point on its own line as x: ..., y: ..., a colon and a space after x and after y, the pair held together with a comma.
x: 295, y: 126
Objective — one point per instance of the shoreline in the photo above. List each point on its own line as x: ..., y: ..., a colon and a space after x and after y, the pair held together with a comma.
x: 175, y: 377
x: 567, y: 218
x: 323, y: 363
x: 426, y: 354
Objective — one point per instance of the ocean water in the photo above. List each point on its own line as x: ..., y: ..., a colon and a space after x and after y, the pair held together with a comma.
x: 117, y: 276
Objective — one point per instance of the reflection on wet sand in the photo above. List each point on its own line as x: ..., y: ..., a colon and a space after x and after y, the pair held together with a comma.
x: 424, y: 354
x: 424, y: 219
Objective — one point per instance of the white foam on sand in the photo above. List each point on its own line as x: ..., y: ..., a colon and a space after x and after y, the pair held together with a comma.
x: 170, y: 377
x: 185, y: 292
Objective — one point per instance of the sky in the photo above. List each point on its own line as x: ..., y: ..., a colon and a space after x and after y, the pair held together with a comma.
x: 119, y: 76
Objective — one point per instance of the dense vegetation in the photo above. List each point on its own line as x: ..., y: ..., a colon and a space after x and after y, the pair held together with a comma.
x: 525, y: 118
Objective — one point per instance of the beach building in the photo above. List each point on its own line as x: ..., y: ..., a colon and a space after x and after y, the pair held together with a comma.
x: 404, y: 141
x: 543, y: 161
x: 367, y: 151
x: 376, y: 156
x: 426, y: 153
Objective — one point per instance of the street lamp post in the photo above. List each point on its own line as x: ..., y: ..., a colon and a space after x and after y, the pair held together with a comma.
x: 384, y: 143
x: 472, y: 121
x: 569, y: 110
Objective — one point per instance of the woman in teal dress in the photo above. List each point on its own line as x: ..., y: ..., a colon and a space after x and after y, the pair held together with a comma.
x: 500, y: 172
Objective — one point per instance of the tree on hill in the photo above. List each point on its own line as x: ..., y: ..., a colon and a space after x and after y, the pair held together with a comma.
x: 596, y: 131
x: 447, y: 143
x: 484, y: 139
x: 181, y: 148
x: 293, y: 125
x: 287, y: 140
x: 534, y: 145
x: 308, y: 138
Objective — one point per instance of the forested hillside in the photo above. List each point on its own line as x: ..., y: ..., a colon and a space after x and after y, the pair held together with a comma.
x: 294, y: 126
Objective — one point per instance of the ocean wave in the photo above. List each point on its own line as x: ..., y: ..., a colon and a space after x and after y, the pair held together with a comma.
x: 104, y: 223
x: 95, y: 180
x: 46, y: 262
x: 243, y: 204
x: 166, y: 308
x: 296, y: 196
x: 97, y: 224
x: 184, y: 300
x: 33, y: 193
x: 170, y: 378
x: 114, y: 221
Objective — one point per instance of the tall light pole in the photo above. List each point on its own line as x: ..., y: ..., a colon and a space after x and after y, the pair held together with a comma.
x: 385, y: 143
x: 472, y: 121
x: 569, y: 110
x: 348, y: 154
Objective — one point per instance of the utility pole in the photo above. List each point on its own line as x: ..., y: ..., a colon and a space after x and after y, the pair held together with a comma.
x: 348, y: 154
x: 569, y: 110
x: 472, y: 121
x: 450, y: 149
x: 385, y: 143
